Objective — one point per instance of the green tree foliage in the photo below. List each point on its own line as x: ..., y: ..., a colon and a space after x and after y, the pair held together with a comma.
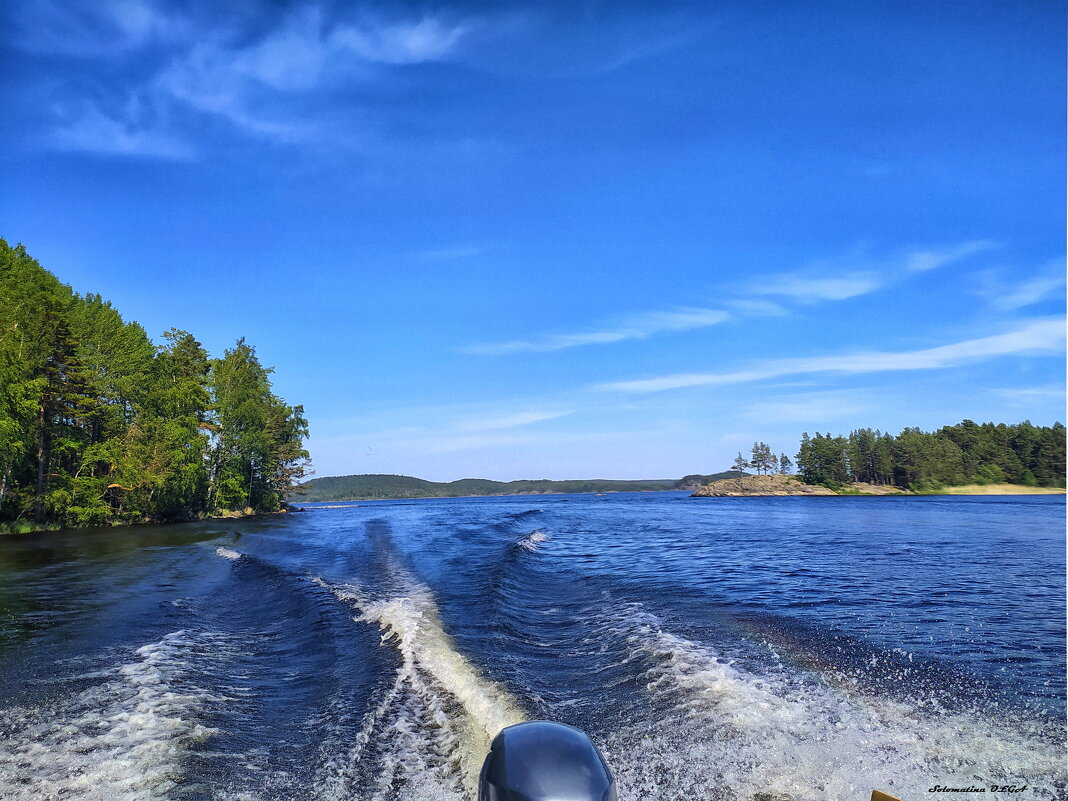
x: 360, y: 487
x: 763, y: 459
x: 115, y: 359
x: 967, y: 453
x: 163, y: 472
x: 39, y: 400
x: 741, y: 464
x: 822, y: 460
x: 97, y: 425
x: 257, y: 455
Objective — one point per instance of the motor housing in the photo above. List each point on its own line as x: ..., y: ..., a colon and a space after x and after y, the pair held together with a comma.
x: 544, y: 761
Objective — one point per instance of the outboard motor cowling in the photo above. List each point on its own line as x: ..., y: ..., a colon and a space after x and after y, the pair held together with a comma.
x: 542, y: 761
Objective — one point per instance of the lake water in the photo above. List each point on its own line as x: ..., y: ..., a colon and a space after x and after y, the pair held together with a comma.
x: 713, y: 648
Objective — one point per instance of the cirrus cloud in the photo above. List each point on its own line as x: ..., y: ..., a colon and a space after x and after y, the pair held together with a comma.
x: 1045, y: 335
x: 262, y: 83
x: 638, y: 326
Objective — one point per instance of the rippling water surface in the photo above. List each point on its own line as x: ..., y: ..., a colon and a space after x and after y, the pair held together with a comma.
x: 802, y: 648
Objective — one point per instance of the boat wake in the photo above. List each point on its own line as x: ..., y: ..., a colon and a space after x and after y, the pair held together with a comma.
x: 427, y: 733
x: 723, y: 732
x: 532, y: 541
x: 273, y: 687
x: 124, y: 739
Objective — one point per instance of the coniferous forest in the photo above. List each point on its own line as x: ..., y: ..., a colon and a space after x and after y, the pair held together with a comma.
x: 966, y: 453
x: 98, y: 425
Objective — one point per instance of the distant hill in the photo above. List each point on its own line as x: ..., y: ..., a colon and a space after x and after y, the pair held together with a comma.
x: 377, y: 486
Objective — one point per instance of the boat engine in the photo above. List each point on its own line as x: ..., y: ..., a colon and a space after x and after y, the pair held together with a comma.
x: 543, y: 761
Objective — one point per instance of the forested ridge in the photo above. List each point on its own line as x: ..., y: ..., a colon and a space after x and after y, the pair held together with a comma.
x: 374, y: 486
x: 966, y: 453
x: 98, y: 425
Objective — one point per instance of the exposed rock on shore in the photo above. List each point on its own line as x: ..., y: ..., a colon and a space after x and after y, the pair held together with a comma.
x: 760, y: 485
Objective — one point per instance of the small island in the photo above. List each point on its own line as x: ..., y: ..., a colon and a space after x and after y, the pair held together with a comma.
x: 964, y: 459
x: 771, y: 485
x: 782, y: 485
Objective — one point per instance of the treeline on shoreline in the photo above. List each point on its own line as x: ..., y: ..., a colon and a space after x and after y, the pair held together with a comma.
x: 98, y: 425
x: 375, y: 486
x: 966, y: 453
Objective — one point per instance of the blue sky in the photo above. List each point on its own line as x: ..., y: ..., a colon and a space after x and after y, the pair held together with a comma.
x: 611, y: 240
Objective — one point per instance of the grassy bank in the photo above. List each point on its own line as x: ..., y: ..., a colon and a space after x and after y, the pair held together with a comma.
x: 26, y: 527
x: 999, y: 489
x: 29, y: 527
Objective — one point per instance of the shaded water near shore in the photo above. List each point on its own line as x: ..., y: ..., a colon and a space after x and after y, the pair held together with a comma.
x: 714, y: 649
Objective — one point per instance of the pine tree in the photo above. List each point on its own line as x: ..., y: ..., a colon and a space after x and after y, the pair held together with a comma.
x: 964, y: 453
x: 763, y: 460
x: 163, y: 469
x: 257, y: 456
x: 97, y: 425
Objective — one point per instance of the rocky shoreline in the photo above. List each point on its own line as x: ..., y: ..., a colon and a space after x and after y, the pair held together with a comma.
x: 760, y: 485
x: 781, y: 485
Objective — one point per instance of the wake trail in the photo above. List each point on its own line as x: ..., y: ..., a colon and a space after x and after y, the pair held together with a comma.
x: 427, y: 734
x: 122, y: 740
x: 724, y: 732
x: 531, y: 542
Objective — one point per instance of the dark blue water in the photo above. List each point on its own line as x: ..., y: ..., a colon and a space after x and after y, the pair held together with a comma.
x: 806, y: 648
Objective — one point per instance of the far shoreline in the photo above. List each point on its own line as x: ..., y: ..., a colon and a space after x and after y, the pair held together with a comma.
x: 889, y: 492
x: 780, y: 485
x: 966, y: 490
x: 494, y: 495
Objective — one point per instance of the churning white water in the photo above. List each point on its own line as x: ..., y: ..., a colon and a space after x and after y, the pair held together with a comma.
x: 123, y: 739
x: 433, y: 726
x: 729, y: 733
x: 741, y: 651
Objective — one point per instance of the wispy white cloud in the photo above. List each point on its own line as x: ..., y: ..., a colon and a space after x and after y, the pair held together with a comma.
x: 637, y: 327
x: 127, y: 134
x: 930, y: 259
x: 506, y: 421
x: 651, y: 46
x: 683, y: 380
x: 859, y: 274
x: 1027, y: 396
x: 679, y: 319
x: 811, y: 289
x: 92, y: 29
x: 757, y: 307
x: 429, y: 39
x: 251, y: 84
x: 1045, y: 335
x: 260, y: 85
x: 238, y: 84
x: 1031, y: 291
x: 771, y: 295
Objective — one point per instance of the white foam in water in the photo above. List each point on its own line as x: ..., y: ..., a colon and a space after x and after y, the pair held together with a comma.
x: 120, y: 741
x: 532, y: 540
x: 732, y: 734
x: 432, y: 728
x: 226, y: 553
